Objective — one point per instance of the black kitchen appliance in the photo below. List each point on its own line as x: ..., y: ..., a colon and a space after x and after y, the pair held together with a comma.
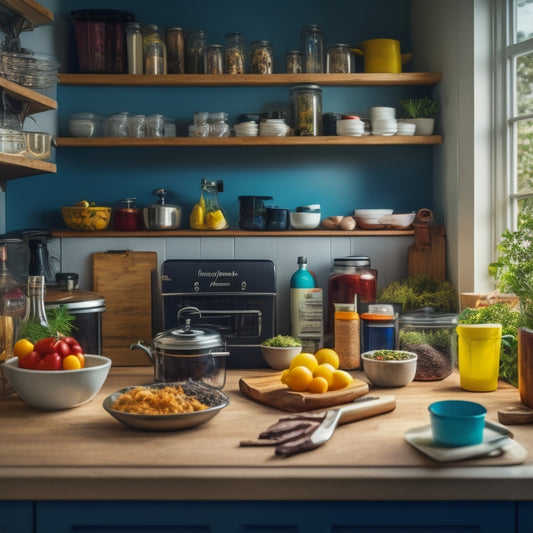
x: 235, y: 297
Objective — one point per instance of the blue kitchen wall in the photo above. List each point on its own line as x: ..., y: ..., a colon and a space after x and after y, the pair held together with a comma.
x: 340, y: 178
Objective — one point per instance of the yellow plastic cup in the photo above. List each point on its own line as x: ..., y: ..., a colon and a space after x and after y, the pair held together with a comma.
x: 478, y: 350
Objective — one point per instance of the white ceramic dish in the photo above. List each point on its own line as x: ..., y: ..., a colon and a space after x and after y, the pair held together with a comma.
x: 371, y: 218
x: 398, y: 220
x: 389, y: 372
x: 214, y: 398
x: 55, y: 390
x: 304, y: 220
x: 280, y: 357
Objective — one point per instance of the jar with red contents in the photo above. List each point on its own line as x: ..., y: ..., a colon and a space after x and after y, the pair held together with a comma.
x: 352, y: 281
x: 128, y: 217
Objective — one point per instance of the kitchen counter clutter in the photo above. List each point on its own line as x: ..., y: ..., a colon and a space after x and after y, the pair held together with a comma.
x: 85, y: 454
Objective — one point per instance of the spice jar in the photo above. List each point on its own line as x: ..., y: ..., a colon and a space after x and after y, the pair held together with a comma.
x: 432, y: 336
x: 339, y: 59
x: 128, y: 217
x: 201, y: 127
x: 261, y: 58
x: 351, y: 281
x: 347, y: 336
x: 306, y: 110
x: 234, y: 54
x: 378, y: 328
x: 213, y: 59
x: 175, y: 41
x: 194, y: 52
x: 312, y: 44
x: 218, y: 127
x: 134, y: 45
x: 294, y: 62
x: 154, y: 51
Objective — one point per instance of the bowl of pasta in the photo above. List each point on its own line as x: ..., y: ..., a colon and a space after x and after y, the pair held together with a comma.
x: 166, y: 406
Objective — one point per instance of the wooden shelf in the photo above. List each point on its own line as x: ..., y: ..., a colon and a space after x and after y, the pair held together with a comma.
x: 38, y: 102
x: 16, y: 166
x: 335, y: 140
x: 234, y: 233
x: 33, y: 13
x: 250, y: 80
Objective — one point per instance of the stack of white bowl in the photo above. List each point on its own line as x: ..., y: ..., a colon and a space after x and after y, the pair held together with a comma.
x: 351, y: 126
x: 406, y: 128
x: 273, y: 127
x: 383, y: 120
x: 246, y: 129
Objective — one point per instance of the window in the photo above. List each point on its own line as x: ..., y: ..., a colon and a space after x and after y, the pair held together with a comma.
x: 519, y: 75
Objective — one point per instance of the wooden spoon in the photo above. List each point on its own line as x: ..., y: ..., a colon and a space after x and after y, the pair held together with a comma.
x: 515, y: 415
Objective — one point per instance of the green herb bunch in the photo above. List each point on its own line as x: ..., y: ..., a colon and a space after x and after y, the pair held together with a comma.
x: 282, y: 341
x: 59, y: 320
x: 424, y: 107
x: 514, y: 268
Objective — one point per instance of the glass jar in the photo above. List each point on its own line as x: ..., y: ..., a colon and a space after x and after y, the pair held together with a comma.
x: 213, y: 63
x: 378, y: 328
x: 339, y: 59
x: 137, y: 126
x: 347, y: 336
x: 194, y: 52
x: 155, y: 125
x: 134, y: 45
x: 294, y: 62
x: 306, y: 110
x: 201, y: 126
x: 215, y: 218
x: 154, y: 50
x: 432, y: 336
x: 234, y: 53
x: 218, y: 126
x: 261, y: 57
x: 175, y: 41
x: 351, y: 281
x: 312, y: 44
x: 128, y: 217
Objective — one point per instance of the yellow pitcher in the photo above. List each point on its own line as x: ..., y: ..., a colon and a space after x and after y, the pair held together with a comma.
x: 382, y: 55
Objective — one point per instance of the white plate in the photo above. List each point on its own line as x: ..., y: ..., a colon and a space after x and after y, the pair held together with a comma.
x: 495, y: 437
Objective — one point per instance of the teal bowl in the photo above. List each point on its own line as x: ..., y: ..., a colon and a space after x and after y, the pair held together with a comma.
x: 457, y: 423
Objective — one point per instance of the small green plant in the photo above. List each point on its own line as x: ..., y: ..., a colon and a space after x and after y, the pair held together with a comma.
x: 424, y: 107
x: 282, y: 341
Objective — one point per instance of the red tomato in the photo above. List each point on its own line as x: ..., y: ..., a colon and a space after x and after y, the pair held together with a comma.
x: 73, y: 343
x: 75, y: 349
x: 45, y: 345
x: 30, y: 361
x: 62, y: 348
x: 51, y: 361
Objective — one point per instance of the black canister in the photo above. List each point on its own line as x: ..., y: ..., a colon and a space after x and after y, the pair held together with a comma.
x: 252, y: 212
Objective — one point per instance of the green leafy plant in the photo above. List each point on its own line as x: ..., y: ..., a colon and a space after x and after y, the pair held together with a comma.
x: 514, y: 268
x: 59, y: 320
x: 282, y: 341
x: 424, y: 107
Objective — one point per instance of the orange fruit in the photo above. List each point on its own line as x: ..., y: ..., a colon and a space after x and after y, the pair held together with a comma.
x: 327, y: 355
x: 299, y: 378
x: 341, y: 379
x: 22, y: 347
x: 318, y: 385
x: 325, y: 370
x: 304, y: 359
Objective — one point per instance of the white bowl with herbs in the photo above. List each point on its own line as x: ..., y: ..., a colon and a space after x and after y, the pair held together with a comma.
x: 279, y: 351
x: 389, y: 368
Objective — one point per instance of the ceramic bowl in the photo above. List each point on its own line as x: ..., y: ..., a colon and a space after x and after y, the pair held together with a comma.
x: 280, y: 357
x: 302, y: 220
x: 457, y: 422
x: 399, y: 220
x: 371, y: 218
x: 86, y: 218
x: 54, y: 390
x: 389, y: 372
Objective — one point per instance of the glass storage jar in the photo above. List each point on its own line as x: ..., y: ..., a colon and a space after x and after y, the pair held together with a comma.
x: 194, y: 52
x: 261, y: 57
x: 154, y: 49
x: 234, y: 53
x: 339, y: 59
x: 312, y: 44
x: 218, y: 126
x: 432, y: 336
x: 175, y: 41
x: 134, y: 45
x: 294, y: 62
x: 128, y: 217
x: 306, y: 110
x: 213, y: 63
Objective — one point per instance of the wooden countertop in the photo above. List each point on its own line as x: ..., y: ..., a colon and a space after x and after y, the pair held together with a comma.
x: 84, y: 453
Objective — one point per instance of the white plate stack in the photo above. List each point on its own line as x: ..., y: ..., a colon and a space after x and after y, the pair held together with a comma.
x: 406, y: 128
x: 273, y: 127
x: 383, y: 120
x: 246, y: 129
x: 351, y: 126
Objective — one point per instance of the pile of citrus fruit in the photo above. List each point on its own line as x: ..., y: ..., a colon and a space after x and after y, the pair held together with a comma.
x: 318, y: 372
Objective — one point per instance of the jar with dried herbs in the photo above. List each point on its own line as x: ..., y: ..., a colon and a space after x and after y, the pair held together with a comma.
x: 154, y: 49
x: 293, y: 62
x: 339, y: 59
x: 175, y: 40
x: 195, y: 44
x: 312, y: 44
x: 261, y: 57
x: 306, y: 110
x: 213, y: 63
x: 234, y: 54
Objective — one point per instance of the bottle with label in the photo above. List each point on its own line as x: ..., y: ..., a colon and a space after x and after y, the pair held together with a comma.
x: 306, y: 307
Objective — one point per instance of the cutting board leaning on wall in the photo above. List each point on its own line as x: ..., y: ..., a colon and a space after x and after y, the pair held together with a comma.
x: 123, y: 278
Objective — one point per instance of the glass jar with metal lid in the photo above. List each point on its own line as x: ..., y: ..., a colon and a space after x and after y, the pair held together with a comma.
x: 154, y: 50
x: 339, y: 59
x: 195, y: 44
x: 234, y: 53
x: 306, y: 110
x: 175, y: 41
x: 261, y: 57
x: 312, y: 44
x: 213, y: 60
x: 432, y: 336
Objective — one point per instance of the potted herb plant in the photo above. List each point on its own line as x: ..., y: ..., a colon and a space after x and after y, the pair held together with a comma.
x: 420, y: 111
x: 514, y: 273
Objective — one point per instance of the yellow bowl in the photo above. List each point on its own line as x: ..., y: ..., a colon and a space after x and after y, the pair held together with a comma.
x: 86, y: 218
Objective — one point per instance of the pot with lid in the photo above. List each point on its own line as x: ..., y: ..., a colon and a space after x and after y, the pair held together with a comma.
x: 183, y: 353
x: 162, y: 216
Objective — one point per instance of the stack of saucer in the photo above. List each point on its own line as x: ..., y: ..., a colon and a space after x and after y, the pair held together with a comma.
x: 351, y: 126
x: 273, y: 127
x: 246, y: 129
x: 406, y: 128
x: 383, y: 120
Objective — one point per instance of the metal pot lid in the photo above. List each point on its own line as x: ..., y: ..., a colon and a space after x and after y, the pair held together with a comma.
x: 428, y: 317
x: 186, y: 339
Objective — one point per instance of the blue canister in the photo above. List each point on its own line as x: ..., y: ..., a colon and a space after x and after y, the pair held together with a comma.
x: 378, y: 328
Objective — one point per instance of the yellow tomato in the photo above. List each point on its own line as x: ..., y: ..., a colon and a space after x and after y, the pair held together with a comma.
x: 341, y: 379
x: 216, y: 220
x: 325, y: 370
x: 22, y: 348
x: 71, y: 362
x: 318, y: 385
x: 299, y: 378
x: 197, y: 218
x: 327, y: 355
x: 304, y: 359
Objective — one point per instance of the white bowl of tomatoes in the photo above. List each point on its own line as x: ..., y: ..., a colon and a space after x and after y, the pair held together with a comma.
x: 48, y: 378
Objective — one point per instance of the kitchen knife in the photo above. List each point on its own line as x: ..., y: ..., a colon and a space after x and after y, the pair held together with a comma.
x: 357, y: 410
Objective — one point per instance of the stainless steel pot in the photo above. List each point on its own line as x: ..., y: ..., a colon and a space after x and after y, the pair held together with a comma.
x: 180, y: 354
x: 162, y: 216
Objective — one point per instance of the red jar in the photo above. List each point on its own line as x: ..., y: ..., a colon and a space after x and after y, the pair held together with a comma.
x: 128, y: 217
x: 351, y: 279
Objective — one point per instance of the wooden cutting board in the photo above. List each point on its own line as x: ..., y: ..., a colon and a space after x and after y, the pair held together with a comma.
x: 269, y: 390
x: 123, y: 278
